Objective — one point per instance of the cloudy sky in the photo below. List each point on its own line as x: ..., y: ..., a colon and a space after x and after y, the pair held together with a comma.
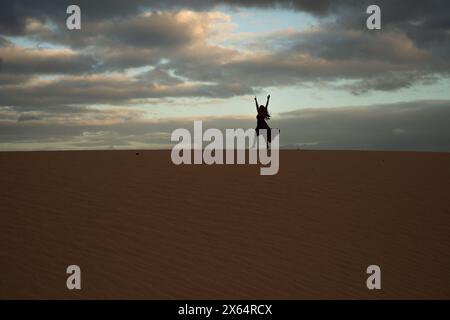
x: 140, y: 68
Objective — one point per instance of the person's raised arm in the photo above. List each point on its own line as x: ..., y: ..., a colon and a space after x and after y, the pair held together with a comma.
x: 257, y: 105
x: 267, y: 103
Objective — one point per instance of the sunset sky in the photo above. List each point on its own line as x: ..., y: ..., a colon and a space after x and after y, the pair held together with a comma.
x: 139, y: 69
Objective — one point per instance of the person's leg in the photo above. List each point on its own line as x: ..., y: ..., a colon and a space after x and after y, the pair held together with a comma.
x: 269, y: 135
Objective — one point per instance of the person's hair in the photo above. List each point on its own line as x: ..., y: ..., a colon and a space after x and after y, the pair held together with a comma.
x: 264, y: 112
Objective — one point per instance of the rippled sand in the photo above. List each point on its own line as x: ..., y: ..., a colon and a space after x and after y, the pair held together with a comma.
x: 140, y: 227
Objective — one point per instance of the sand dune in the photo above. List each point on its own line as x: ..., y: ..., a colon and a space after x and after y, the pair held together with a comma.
x: 140, y: 227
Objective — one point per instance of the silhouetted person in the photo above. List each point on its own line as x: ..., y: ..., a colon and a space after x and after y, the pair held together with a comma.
x: 262, y: 116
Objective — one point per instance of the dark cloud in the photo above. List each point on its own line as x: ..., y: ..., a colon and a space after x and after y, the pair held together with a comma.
x: 4, y: 42
x: 107, y: 89
x: 25, y: 117
x: 389, y: 82
x: 430, y: 14
x: 426, y: 23
x: 160, y: 30
x: 17, y: 60
x: 12, y: 79
x: 14, y: 13
x: 415, y: 126
x: 117, y: 37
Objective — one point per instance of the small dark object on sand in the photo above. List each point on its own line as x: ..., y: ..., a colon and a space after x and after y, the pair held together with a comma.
x: 137, y: 153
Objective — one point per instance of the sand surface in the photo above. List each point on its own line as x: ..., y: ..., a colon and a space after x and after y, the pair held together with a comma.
x: 140, y: 227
